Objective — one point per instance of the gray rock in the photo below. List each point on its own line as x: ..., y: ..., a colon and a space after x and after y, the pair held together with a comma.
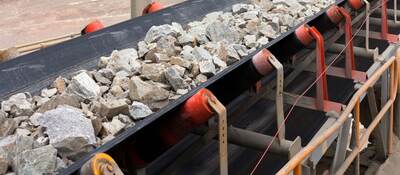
x: 69, y: 131
x: 218, y: 31
x: 124, y: 60
x: 143, y: 91
x: 107, y: 73
x: 240, y: 49
x: 156, y: 32
x: 180, y: 62
x: 207, y: 68
x: 125, y: 119
x: 195, y: 69
x: 219, y: 63
x: 113, y: 127
x: 139, y: 110
x: 199, y: 53
x: 84, y: 86
x: 48, y: 92
x: 97, y: 125
x: 22, y: 132
x: 3, y: 165
x: 293, y: 4
x: 264, y: 4
x: 155, y: 57
x: 153, y: 72
x: 166, y: 45
x: 18, y: 104
x: 268, y: 31
x: 182, y: 91
x: 250, y: 41
x: 142, y: 49
x: 103, y: 62
x: 250, y: 15
x: 186, y: 53
x: 116, y: 90
x: 121, y: 81
x: 7, y: 126
x: 65, y: 99
x: 287, y: 20
x: 186, y: 39
x: 174, y: 78
x: 113, y: 107
x: 98, y: 76
x: 60, y: 164
x: 60, y: 84
x: 263, y: 41
x: 41, y: 160
x: 201, y: 78
x: 241, y: 8
x: 39, y: 101
x: 197, y: 30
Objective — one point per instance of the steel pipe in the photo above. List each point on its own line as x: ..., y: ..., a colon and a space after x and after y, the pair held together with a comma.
x: 358, y: 51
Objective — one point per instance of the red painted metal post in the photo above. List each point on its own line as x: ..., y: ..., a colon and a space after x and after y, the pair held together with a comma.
x: 350, y: 63
x: 322, y: 85
x: 384, y: 20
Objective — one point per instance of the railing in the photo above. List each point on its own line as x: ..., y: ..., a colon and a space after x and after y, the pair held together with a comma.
x: 391, y: 65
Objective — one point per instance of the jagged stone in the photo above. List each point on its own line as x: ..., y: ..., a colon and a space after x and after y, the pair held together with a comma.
x: 97, y: 125
x: 39, y: 101
x: 116, y: 90
x: 186, y: 39
x: 22, y: 132
x: 3, y: 165
x: 186, y: 53
x: 250, y: 15
x: 124, y: 60
x: 113, y: 127
x: 219, y: 63
x: 18, y: 104
x: 153, y: 72
x: 154, y: 56
x: 174, y: 78
x: 139, y: 110
x: 180, y: 62
x: 201, y: 78
x: 199, y: 54
x: 84, y: 86
x: 166, y: 45
x: 207, y: 67
x: 197, y: 30
x: 263, y: 41
x: 142, y: 49
x: 121, y: 81
x: 113, y: 107
x: 250, y: 41
x: 140, y: 90
x: 98, y: 76
x: 218, y: 31
x: 125, y: 119
x: 65, y: 99
x: 182, y: 91
x: 156, y: 32
x: 241, y: 8
x: 7, y: 126
x: 267, y: 30
x: 48, y: 92
x: 41, y: 160
x: 69, y: 131
x: 103, y: 62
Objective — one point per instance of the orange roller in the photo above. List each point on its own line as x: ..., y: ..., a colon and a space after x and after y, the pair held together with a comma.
x: 152, y: 7
x: 303, y: 35
x: 356, y: 4
x: 93, y: 26
x: 196, y: 109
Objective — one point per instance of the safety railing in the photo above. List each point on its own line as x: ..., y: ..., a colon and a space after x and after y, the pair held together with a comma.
x: 391, y: 65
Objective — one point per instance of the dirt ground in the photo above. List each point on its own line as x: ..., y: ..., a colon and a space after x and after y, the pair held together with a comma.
x: 26, y: 21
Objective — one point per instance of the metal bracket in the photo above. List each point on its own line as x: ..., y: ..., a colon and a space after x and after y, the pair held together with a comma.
x: 220, y: 109
x: 350, y: 64
x: 279, y: 96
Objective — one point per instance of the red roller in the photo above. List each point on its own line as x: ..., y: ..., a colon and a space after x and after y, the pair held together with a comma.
x: 356, y: 4
x: 303, y: 35
x: 334, y: 14
x: 93, y: 26
x: 152, y: 7
x: 196, y: 109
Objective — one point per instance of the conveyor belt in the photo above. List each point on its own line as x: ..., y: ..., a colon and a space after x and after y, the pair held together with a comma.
x: 37, y: 70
